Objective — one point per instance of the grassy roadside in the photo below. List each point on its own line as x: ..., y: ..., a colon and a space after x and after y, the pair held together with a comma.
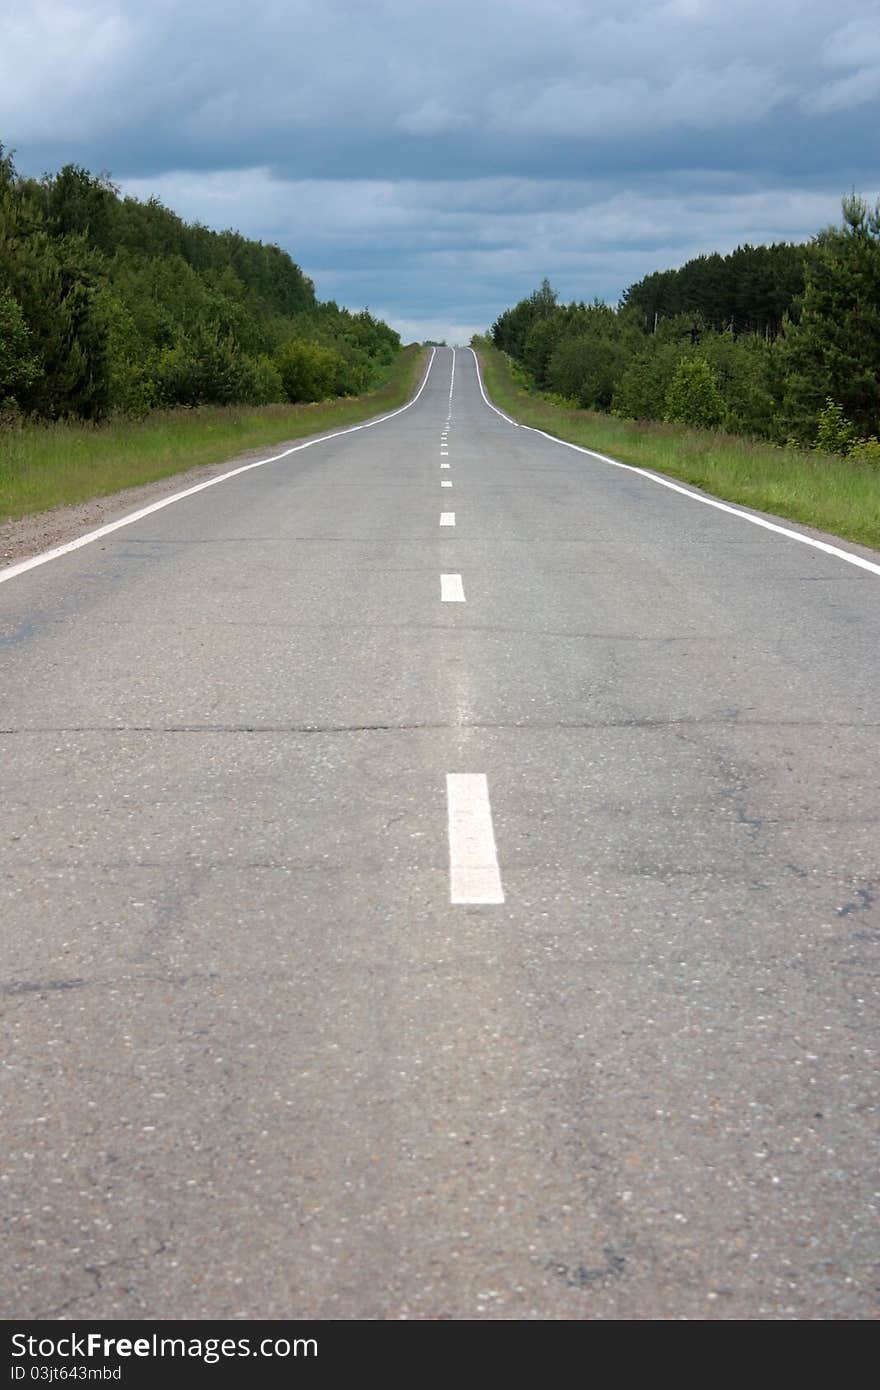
x: 830, y: 493
x: 44, y: 466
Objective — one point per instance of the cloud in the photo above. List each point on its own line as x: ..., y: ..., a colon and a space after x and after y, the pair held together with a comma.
x: 439, y: 162
x: 43, y: 92
x: 441, y: 260
x: 860, y: 87
x: 401, y: 90
x: 854, y: 46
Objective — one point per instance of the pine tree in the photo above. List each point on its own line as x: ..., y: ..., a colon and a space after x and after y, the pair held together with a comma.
x: 835, y: 350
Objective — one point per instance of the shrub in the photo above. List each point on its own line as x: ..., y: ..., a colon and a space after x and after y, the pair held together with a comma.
x: 208, y: 370
x: 266, y: 386
x: 835, y: 433
x: 310, y: 372
x: 641, y: 391
x: 866, y: 451
x: 693, y: 397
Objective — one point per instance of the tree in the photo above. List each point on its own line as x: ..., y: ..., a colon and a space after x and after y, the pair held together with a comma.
x: 745, y: 372
x: 511, y: 328
x: 18, y: 366
x: 78, y: 203
x: 640, y: 393
x: 53, y: 280
x: 586, y: 368
x: 109, y: 303
x: 835, y: 349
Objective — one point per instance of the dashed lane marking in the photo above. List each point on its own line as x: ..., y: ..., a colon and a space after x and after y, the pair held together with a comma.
x: 451, y: 588
x: 474, y: 876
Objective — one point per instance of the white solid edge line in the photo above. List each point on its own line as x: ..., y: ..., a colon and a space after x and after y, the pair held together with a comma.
x: 447, y: 518
x: 835, y: 550
x: 474, y: 876
x: 11, y: 571
x: 451, y: 588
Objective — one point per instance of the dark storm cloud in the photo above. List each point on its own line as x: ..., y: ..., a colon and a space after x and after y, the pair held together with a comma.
x: 438, y: 158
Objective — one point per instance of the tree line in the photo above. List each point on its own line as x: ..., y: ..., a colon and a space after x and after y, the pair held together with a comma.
x: 113, y: 305
x: 781, y: 342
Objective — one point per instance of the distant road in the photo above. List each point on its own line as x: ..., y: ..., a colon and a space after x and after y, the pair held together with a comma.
x: 440, y: 880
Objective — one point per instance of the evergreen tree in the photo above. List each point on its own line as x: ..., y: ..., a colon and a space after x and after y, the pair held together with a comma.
x: 835, y: 349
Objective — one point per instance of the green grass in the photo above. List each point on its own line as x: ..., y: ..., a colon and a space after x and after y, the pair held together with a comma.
x: 826, y: 491
x: 45, y: 466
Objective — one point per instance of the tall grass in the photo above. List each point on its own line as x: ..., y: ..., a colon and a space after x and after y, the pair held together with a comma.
x: 44, y: 466
x: 826, y: 491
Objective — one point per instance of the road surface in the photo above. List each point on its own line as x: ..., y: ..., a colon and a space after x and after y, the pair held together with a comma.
x: 429, y: 901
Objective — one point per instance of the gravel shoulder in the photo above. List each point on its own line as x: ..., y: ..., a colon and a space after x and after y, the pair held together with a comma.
x: 24, y: 537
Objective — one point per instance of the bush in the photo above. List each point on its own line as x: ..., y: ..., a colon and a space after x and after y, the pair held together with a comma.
x: 310, y: 372
x: 11, y: 417
x: 744, y: 374
x: 835, y: 433
x: 587, y: 369
x: 267, y: 386
x: 641, y: 391
x: 209, y: 370
x: 865, y: 451
x: 693, y: 397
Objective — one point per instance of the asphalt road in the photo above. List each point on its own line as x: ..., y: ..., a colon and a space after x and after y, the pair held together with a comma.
x: 257, y: 1062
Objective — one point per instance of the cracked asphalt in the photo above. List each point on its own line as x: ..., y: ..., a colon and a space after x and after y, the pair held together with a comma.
x: 254, y: 1062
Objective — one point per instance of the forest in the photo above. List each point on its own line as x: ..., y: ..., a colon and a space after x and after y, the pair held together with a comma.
x: 775, y: 342
x: 112, y: 306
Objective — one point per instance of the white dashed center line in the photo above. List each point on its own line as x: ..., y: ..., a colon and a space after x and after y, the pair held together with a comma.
x: 447, y: 518
x: 445, y: 483
x: 451, y: 588
x: 474, y: 876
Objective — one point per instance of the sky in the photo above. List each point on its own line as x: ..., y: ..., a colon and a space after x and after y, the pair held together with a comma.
x: 434, y: 162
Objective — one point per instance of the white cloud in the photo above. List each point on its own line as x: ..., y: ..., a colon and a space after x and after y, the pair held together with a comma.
x: 856, y: 43
x: 854, y: 46
x: 431, y: 329
x: 701, y: 98
x: 50, y: 56
x: 847, y: 92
